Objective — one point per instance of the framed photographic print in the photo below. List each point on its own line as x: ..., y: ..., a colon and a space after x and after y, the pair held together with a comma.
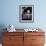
x: 26, y: 13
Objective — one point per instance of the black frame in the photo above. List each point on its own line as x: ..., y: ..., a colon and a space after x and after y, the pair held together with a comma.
x: 26, y: 13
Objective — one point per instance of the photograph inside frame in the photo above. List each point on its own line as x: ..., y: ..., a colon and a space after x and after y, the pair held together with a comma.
x: 26, y: 13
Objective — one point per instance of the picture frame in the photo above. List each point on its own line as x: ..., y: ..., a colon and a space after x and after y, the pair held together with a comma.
x: 26, y: 13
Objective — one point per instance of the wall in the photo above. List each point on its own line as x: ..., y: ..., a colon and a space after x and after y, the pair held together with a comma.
x: 9, y: 13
